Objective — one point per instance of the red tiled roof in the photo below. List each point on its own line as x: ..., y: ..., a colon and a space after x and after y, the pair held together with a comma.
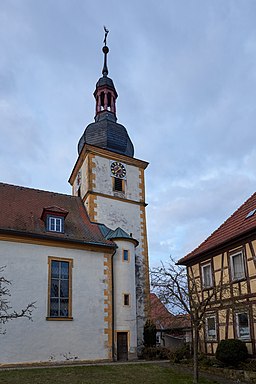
x: 21, y: 213
x: 163, y: 319
x: 236, y: 225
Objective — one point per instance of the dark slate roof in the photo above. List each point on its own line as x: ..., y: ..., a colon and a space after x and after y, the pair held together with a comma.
x: 237, y: 225
x: 117, y: 233
x: 21, y: 213
x: 108, y: 134
x: 106, y: 81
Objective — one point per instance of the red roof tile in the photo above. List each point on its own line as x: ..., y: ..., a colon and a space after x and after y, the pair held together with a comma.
x: 163, y: 319
x: 21, y: 213
x: 236, y: 225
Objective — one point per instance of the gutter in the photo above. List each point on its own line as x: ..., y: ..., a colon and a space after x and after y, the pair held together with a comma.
x: 60, y: 239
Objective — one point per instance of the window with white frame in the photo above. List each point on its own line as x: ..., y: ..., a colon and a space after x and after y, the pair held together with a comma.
x: 55, y: 224
x: 210, y: 327
x: 237, y: 266
x: 207, y: 275
x: 242, y: 324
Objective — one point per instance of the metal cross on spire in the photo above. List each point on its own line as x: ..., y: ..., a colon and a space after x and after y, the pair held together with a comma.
x: 105, y: 51
x: 106, y: 34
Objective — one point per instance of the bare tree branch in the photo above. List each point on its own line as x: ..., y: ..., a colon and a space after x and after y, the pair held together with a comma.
x: 183, y: 292
x: 6, y: 311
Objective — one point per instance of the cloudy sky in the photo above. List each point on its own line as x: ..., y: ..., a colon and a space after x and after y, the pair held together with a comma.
x: 185, y: 72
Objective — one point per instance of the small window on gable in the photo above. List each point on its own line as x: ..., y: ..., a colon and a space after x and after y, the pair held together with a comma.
x: 55, y: 224
x: 125, y: 255
x: 54, y: 218
x: 126, y: 299
x: 207, y: 275
x: 237, y: 266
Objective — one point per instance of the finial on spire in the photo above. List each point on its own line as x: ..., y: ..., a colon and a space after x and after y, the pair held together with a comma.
x: 105, y: 50
x: 106, y: 34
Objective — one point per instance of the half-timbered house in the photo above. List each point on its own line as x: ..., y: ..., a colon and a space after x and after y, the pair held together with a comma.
x: 224, y: 267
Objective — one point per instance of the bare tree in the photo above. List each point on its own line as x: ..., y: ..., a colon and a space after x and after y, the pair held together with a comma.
x: 182, y: 292
x: 6, y: 311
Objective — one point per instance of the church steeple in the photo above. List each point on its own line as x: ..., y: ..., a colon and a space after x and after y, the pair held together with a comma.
x: 105, y: 93
x: 105, y: 132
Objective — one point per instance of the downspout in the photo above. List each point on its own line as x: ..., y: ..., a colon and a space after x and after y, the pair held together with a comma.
x: 113, y: 306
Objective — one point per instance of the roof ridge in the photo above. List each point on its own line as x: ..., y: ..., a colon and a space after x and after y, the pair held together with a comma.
x: 36, y: 189
x: 240, y: 208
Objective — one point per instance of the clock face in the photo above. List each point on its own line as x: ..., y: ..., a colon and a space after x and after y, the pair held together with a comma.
x: 118, y: 169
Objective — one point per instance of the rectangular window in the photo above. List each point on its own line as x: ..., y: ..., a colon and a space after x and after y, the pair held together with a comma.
x: 207, y: 275
x: 125, y: 255
x: 210, y: 327
x: 126, y: 299
x: 243, y: 329
x: 55, y: 224
x: 237, y: 266
x: 118, y: 184
x: 59, y: 305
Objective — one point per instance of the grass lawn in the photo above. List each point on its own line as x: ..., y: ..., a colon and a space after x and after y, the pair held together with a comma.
x: 113, y: 374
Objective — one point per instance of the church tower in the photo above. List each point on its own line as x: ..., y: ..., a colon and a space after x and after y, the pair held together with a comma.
x: 110, y: 181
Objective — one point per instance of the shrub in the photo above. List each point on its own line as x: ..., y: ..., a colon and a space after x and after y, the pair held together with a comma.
x: 183, y: 353
x: 206, y: 361
x: 249, y: 365
x: 155, y: 353
x: 231, y: 352
x: 149, y: 334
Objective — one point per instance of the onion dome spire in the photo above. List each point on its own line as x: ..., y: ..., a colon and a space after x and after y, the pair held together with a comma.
x: 105, y: 132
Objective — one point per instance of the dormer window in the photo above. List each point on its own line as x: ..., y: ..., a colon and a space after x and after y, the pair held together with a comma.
x: 54, y: 218
x: 55, y: 224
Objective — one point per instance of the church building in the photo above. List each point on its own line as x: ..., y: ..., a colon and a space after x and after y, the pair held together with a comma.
x: 82, y: 258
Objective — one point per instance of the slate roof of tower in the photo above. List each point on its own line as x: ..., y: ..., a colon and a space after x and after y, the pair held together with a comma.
x: 237, y: 225
x: 21, y: 214
x: 117, y: 233
x: 106, y: 133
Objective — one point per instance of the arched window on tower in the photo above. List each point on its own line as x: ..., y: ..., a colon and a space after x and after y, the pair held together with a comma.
x: 109, y: 101
x: 102, y: 101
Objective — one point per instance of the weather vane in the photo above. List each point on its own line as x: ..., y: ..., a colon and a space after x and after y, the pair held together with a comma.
x: 106, y: 34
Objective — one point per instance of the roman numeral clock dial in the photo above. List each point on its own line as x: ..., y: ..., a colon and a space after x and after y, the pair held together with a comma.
x: 118, y: 170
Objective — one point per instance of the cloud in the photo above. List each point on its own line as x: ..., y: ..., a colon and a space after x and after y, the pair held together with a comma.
x: 185, y: 75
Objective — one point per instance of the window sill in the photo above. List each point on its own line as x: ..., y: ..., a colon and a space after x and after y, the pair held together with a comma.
x: 238, y: 280
x: 59, y: 318
x: 208, y: 288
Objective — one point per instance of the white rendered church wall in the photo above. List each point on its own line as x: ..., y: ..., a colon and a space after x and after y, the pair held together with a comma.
x: 42, y: 340
x: 124, y: 283
x: 116, y: 213
x: 104, y: 182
